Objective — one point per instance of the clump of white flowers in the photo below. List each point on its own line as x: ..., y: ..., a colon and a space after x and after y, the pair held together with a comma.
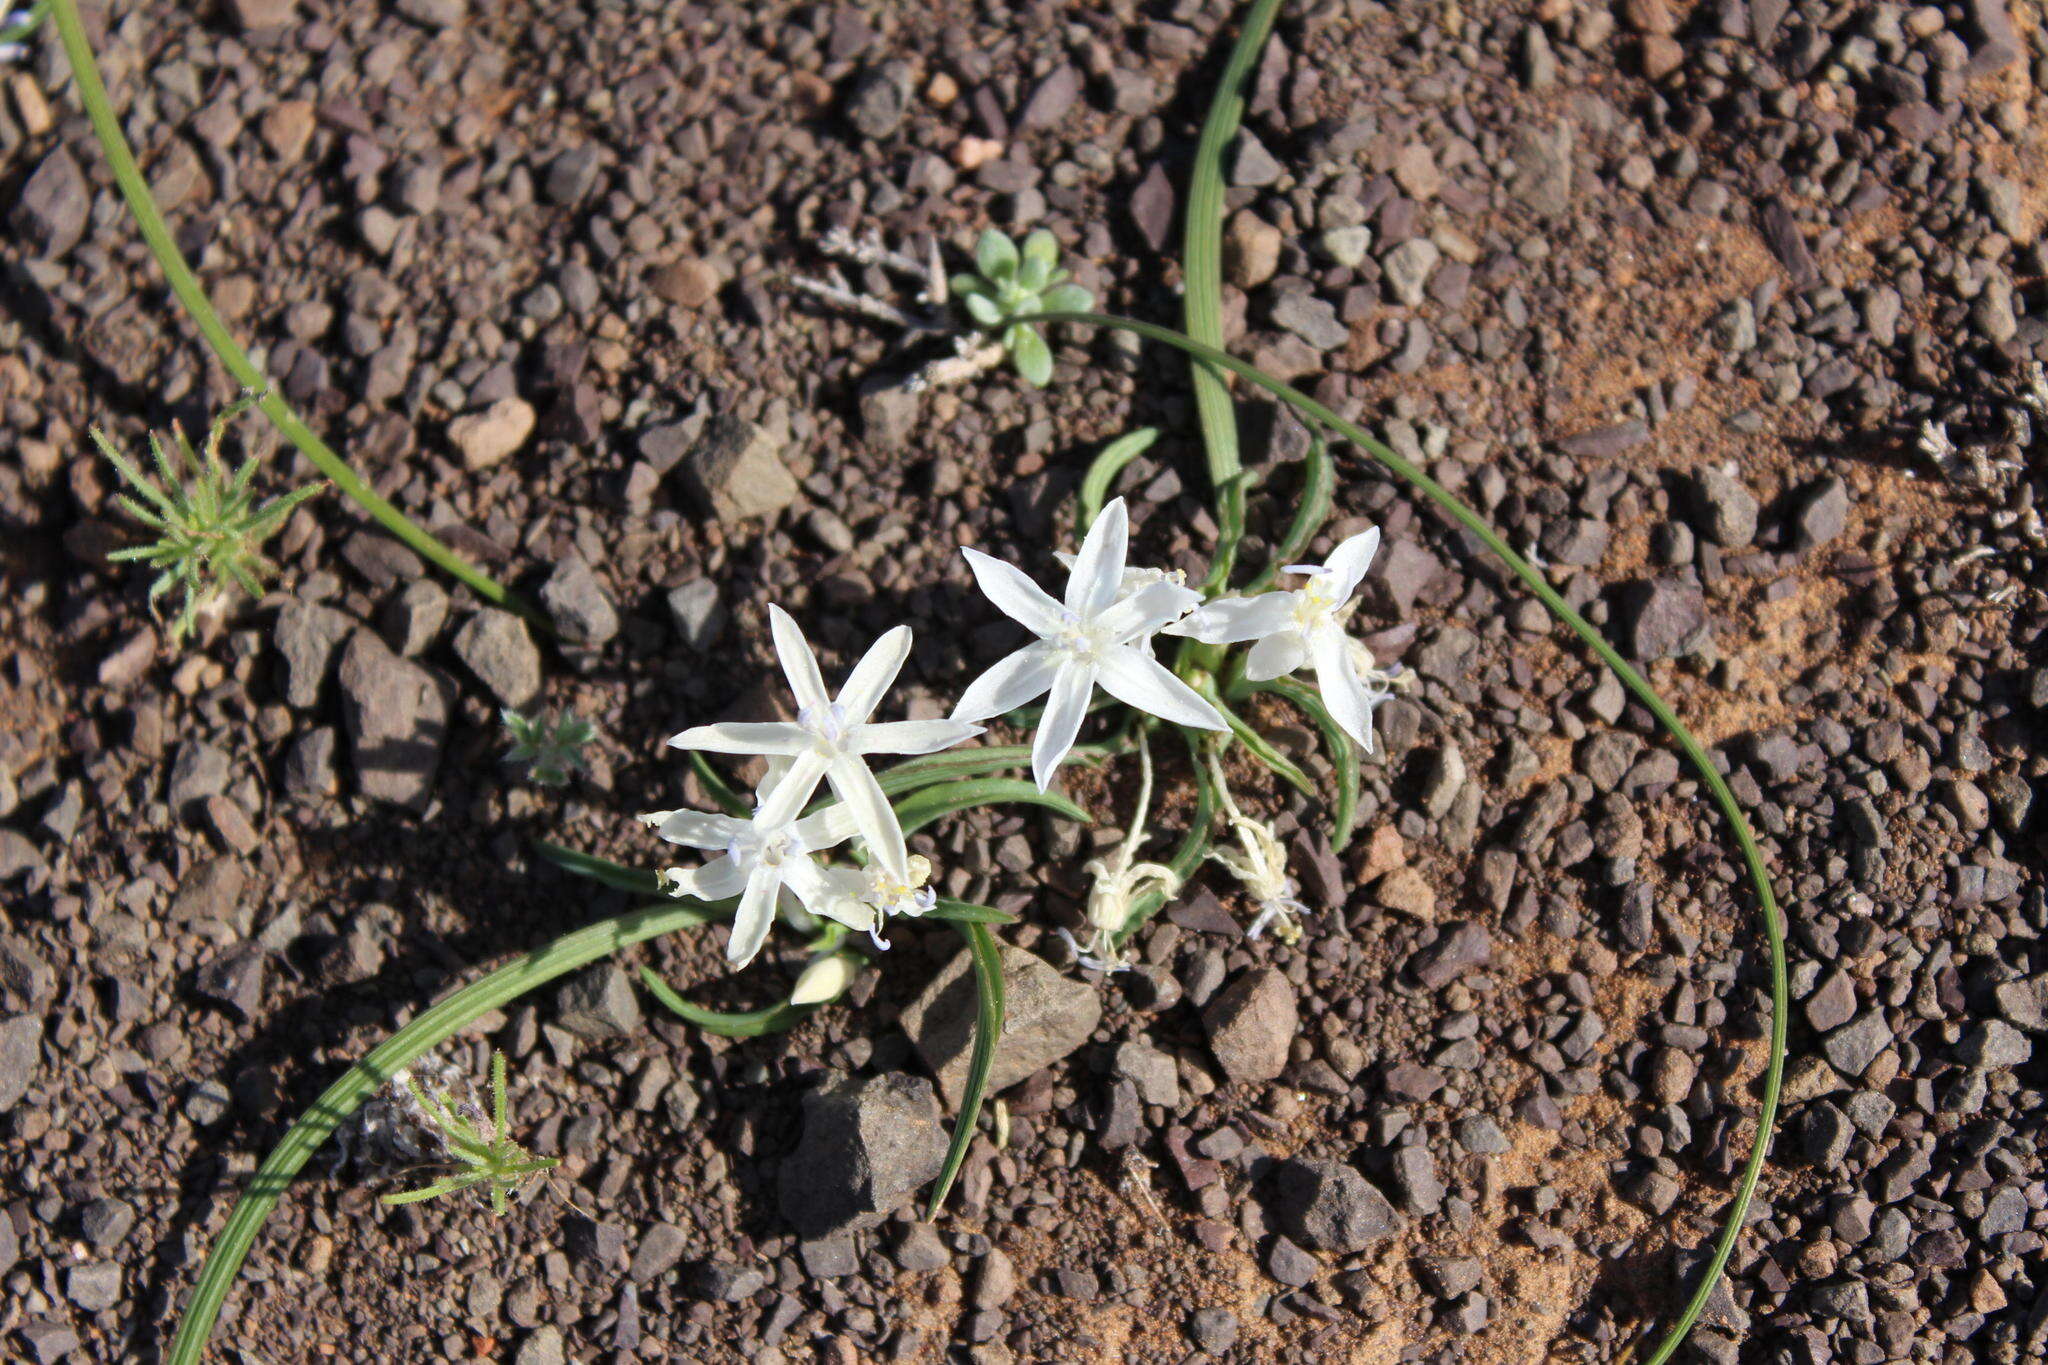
x: 1100, y: 632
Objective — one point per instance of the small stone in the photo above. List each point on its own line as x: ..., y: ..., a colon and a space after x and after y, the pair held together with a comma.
x: 571, y: 175
x: 106, y: 1223
x: 52, y: 210
x: 307, y: 635
x: 599, y: 1003
x: 735, y: 470
x: 94, y: 1287
x: 1047, y: 1015
x: 1728, y: 510
x: 1417, y: 1187
x: 1450, y: 1277
x: 698, y: 613
x: 1289, y: 1264
x: 48, y: 1342
x: 1329, y: 1206
x: 1251, y: 250
x: 286, y: 127
x: 1152, y: 1072
x: 499, y: 650
x: 661, y: 1247
x: 234, y: 978
x: 396, y: 715
x: 1416, y: 173
x: 1542, y: 168
x: 1312, y: 319
x: 543, y: 1347
x: 1995, y: 1044
x: 1481, y: 1136
x: 687, y: 283
x: 211, y: 893
x: 439, y: 14
x: 1252, y: 1025
x: 1253, y: 165
x: 254, y: 16
x: 1151, y: 207
x: 1407, y: 891
x: 21, y: 1056
x: 1461, y: 947
x: 1664, y: 618
x: 879, y: 100
x: 1052, y: 99
x: 577, y: 605
x: 1823, y: 512
x: 486, y: 438
x: 1851, y: 1048
x: 1409, y: 267
x: 922, y: 1250
x: 1213, y: 1330
x: 868, y: 1145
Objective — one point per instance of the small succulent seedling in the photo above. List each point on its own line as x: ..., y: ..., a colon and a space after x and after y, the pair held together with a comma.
x: 489, y: 1155
x: 1013, y: 284
x: 551, y: 750
x: 210, y: 530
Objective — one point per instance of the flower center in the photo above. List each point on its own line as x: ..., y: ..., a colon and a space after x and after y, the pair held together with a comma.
x: 1082, y: 641
x: 827, y: 726
x: 1316, y: 601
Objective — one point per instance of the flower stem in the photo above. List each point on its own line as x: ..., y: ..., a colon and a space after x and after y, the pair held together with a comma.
x: 1695, y: 753
x: 375, y: 1071
x: 92, y: 92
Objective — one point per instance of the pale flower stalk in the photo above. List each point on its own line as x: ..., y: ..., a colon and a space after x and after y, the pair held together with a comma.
x: 832, y: 737
x: 1098, y: 635
x: 1117, y: 881
x: 1305, y: 627
x: 1261, y: 868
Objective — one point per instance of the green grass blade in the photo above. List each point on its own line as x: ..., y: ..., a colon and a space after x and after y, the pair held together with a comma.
x: 933, y: 803
x: 1343, y: 753
x: 360, y: 1082
x: 1102, y: 472
x: 988, y: 1028
x: 774, y: 1019
x: 598, y: 869
x: 1695, y: 754
x: 1261, y: 748
x: 1194, y: 844
x: 1318, y: 494
x: 1202, y: 270
x: 966, y: 912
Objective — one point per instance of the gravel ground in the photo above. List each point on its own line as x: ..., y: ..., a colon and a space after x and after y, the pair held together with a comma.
x: 1672, y: 293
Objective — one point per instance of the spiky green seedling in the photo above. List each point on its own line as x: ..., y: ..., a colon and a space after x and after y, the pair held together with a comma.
x: 210, y: 530
x: 550, y: 749
x: 1014, y: 284
x: 492, y: 1159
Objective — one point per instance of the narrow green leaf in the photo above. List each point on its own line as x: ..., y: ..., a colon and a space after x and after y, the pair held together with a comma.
x: 933, y: 803
x: 1318, y: 489
x: 966, y: 912
x: 1343, y: 753
x: 598, y: 869
x: 779, y: 1018
x: 988, y: 1029
x: 720, y: 791
x: 1104, y: 468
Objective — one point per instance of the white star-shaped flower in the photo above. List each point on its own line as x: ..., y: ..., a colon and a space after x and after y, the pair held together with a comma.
x: 1096, y: 636
x: 764, y: 856
x: 1305, y: 626
x: 831, y: 738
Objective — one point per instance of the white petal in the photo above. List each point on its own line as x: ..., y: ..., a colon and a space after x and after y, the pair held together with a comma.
x: 1349, y: 704
x: 1099, y: 569
x: 1065, y: 709
x: 743, y: 737
x: 1148, y: 609
x: 813, y: 886
x: 857, y: 789
x: 1350, y: 560
x: 872, y: 676
x: 699, y: 829
x: 1008, y: 684
x: 831, y: 826
x: 1015, y: 595
x: 913, y: 736
x: 1233, y: 620
x: 799, y: 665
x: 715, y: 881
x: 756, y: 915
x: 782, y: 802
x: 1137, y: 679
x: 1276, y: 656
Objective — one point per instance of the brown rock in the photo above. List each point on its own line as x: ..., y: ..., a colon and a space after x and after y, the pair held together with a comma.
x: 688, y: 283
x: 1252, y: 1025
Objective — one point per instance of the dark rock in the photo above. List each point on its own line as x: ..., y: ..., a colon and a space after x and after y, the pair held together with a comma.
x: 868, y: 1145
x: 659, y: 1250
x: 307, y: 635
x: 1417, y: 1189
x: 1329, y: 1206
x: 698, y: 613
x: 1213, y: 1329
x: 1052, y: 99
x: 21, y: 1056
x: 1823, y: 512
x: 499, y: 650
x: 211, y: 893
x: 879, y: 100
x: 1152, y: 207
x: 1604, y: 443
x: 735, y: 470
x: 396, y: 714
x: 1251, y: 1026
x: 1727, y: 509
x: 599, y: 1003
x: 1461, y: 947
x: 1781, y: 234
x: 1289, y: 1264
x: 577, y: 605
x: 1853, y: 1047
x: 571, y: 175
x: 1047, y: 1015
x: 1664, y: 618
x: 51, y: 212
x: 1541, y: 179
x: 234, y: 978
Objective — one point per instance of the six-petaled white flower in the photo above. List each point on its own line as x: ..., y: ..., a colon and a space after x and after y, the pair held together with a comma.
x: 1095, y: 636
x: 864, y: 898
x: 763, y: 857
x: 1305, y: 626
x: 832, y: 737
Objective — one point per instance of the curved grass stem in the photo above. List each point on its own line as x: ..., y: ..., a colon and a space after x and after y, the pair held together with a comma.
x: 374, y: 1072
x: 1694, y: 751
x: 99, y: 109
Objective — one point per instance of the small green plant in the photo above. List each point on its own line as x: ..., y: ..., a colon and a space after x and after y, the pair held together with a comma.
x: 210, y: 530
x: 484, y: 1147
x: 1014, y: 284
x: 551, y: 750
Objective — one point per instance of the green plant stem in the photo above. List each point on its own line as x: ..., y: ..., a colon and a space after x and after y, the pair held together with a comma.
x: 374, y: 1072
x: 1695, y: 752
x: 1202, y: 283
x: 777, y: 1018
x: 987, y: 960
x: 92, y: 92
